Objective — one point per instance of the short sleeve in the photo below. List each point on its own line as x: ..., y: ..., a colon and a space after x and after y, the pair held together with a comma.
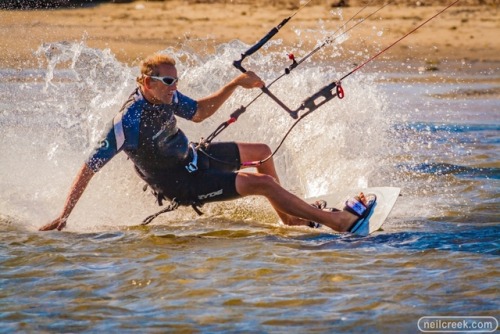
x: 104, y: 151
x: 186, y: 106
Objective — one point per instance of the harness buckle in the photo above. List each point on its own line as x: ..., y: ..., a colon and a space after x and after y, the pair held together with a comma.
x: 193, y: 165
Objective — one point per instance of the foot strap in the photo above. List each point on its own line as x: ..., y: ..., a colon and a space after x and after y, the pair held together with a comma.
x: 355, y: 206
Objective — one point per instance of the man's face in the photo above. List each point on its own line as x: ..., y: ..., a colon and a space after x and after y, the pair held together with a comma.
x: 160, y: 91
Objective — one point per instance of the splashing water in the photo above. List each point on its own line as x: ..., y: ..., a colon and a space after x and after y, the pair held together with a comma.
x: 61, y: 110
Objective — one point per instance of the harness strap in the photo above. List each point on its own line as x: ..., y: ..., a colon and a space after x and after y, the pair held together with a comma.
x: 192, y: 166
x: 196, y: 207
x: 173, y: 205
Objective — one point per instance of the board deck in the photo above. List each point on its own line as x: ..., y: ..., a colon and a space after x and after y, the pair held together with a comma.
x: 386, y: 198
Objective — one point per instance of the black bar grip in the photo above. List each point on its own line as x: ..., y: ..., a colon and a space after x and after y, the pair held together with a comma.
x: 265, y: 39
x: 259, y: 44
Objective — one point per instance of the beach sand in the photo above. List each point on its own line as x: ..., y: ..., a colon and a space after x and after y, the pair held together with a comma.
x: 132, y: 30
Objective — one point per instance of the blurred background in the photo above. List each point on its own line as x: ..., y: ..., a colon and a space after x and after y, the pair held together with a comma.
x: 45, y: 4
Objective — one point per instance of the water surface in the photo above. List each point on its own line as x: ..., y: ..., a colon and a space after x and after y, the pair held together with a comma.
x: 237, y: 268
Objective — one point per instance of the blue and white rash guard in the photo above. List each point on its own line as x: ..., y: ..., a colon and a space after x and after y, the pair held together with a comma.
x: 147, y: 133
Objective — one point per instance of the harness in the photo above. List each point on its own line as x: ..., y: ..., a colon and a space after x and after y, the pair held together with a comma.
x: 191, y: 167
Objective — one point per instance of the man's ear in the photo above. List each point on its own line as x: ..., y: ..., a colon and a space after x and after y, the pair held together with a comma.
x: 146, y: 82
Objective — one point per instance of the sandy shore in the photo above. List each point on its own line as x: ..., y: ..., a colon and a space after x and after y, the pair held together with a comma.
x: 135, y: 29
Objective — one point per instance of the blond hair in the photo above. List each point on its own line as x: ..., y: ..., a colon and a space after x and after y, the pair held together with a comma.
x: 149, y: 66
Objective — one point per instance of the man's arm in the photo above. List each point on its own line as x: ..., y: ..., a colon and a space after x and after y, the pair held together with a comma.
x: 81, y: 181
x: 207, y: 106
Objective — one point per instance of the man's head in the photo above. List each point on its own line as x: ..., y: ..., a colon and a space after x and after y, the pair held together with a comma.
x: 158, y: 78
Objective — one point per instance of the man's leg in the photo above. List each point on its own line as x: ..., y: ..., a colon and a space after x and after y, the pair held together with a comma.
x: 257, y: 152
x: 291, y: 209
x: 294, y: 209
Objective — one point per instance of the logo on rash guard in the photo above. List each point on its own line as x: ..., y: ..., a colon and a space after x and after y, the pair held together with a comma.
x: 210, y: 195
x: 104, y: 144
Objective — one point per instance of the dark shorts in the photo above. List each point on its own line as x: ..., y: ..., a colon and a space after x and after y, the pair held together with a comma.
x: 215, y: 179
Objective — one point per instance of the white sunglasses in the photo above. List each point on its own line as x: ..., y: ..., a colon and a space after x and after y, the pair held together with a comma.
x: 168, y: 81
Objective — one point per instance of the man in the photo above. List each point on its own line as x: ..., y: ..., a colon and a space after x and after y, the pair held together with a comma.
x: 146, y: 130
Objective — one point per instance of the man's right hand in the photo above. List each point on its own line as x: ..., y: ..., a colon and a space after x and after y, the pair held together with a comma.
x: 249, y: 80
x: 58, y: 224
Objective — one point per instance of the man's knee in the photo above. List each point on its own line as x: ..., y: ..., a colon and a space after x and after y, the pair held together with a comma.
x: 254, y: 151
x: 264, y: 150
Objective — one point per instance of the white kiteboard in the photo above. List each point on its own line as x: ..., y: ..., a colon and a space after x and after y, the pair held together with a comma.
x: 386, y: 198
